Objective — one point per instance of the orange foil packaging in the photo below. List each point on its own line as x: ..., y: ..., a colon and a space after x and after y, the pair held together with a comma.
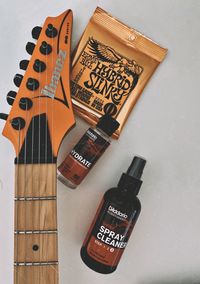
x: 111, y: 66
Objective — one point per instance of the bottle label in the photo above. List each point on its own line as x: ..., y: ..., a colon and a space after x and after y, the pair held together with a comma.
x: 109, y: 238
x: 83, y: 156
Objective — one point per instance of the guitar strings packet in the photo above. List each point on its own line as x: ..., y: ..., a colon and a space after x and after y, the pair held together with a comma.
x: 111, y: 66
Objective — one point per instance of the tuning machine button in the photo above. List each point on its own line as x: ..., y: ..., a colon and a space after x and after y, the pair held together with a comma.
x: 23, y: 64
x: 51, y: 31
x: 11, y: 97
x: 18, y: 79
x: 32, y: 84
x: 39, y: 66
x: 25, y: 103
x: 36, y: 32
x: 45, y: 48
x: 3, y: 116
x: 30, y: 47
x: 18, y: 123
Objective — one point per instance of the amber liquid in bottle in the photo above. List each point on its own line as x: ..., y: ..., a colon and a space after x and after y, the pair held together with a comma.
x: 86, y: 152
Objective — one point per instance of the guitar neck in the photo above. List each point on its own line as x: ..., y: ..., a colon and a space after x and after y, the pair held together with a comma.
x: 40, y: 117
x: 35, y: 241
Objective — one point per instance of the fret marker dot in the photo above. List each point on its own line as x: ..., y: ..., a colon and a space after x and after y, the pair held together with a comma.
x: 35, y: 247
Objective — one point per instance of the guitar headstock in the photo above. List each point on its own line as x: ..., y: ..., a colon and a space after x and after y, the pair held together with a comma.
x: 41, y: 112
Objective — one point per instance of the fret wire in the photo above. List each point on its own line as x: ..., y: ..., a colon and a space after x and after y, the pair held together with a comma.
x: 17, y: 232
x: 35, y: 198
x: 35, y: 263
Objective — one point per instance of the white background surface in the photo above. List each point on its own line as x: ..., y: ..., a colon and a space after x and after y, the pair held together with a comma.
x: 164, y: 127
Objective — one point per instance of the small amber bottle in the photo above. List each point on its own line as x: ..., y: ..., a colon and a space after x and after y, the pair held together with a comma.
x: 114, y: 221
x: 87, y: 151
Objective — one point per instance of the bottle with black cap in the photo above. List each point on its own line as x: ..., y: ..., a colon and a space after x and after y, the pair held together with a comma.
x: 114, y: 221
x: 87, y: 151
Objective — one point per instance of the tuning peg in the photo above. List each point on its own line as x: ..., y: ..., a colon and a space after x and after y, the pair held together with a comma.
x: 51, y: 31
x: 11, y: 97
x: 18, y: 79
x: 30, y: 47
x: 32, y: 84
x: 39, y: 66
x: 3, y: 116
x: 36, y: 32
x: 23, y: 64
x: 45, y: 48
x: 18, y: 123
x: 25, y: 103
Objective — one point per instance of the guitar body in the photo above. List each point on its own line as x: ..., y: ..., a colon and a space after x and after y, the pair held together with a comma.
x: 40, y: 117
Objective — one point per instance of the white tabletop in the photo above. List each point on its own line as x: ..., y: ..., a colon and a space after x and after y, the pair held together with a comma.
x: 164, y: 127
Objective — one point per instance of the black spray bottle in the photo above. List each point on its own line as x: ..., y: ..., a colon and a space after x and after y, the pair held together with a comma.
x: 114, y: 221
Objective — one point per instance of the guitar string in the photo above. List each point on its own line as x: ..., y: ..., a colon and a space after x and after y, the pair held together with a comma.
x: 53, y: 186
x: 51, y: 134
x: 16, y: 274
x: 45, y: 161
x: 46, y: 147
x: 45, y: 167
x: 53, y: 174
x: 24, y: 191
x: 39, y: 182
x: 32, y: 170
x: 54, y: 182
x: 18, y: 183
x: 56, y: 270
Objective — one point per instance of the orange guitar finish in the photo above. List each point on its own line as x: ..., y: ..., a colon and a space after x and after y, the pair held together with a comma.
x: 60, y: 117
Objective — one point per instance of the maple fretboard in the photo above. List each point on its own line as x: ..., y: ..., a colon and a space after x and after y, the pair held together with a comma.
x: 36, y: 249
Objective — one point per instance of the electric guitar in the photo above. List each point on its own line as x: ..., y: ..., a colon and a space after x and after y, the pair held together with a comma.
x: 40, y: 117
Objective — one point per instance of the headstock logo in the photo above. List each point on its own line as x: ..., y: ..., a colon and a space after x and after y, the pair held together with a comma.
x: 50, y: 90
